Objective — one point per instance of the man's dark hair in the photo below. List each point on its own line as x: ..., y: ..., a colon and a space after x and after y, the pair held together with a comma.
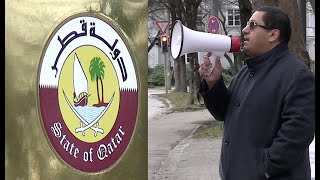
x: 278, y: 19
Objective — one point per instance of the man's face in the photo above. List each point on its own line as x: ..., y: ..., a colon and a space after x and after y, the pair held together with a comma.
x: 256, y: 35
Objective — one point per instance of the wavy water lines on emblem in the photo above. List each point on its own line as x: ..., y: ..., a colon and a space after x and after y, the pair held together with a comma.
x: 89, y: 116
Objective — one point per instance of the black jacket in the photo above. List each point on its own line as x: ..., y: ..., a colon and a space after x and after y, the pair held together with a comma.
x: 268, y: 112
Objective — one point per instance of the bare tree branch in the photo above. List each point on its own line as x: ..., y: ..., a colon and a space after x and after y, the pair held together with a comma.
x: 153, y: 41
x: 313, y: 5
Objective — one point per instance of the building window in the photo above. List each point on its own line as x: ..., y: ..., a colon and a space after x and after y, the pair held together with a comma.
x: 233, y: 17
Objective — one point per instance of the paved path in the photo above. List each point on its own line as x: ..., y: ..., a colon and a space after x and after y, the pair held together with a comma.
x: 156, y: 104
x: 172, y: 152
x: 192, y: 159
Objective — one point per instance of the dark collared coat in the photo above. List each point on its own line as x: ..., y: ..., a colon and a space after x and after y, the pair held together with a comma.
x: 269, y: 113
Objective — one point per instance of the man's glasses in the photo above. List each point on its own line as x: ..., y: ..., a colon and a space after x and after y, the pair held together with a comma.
x: 253, y: 24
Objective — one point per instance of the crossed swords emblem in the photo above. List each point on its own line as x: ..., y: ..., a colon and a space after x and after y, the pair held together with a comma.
x: 84, y: 125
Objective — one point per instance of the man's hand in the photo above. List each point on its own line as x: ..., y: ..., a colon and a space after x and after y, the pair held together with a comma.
x: 204, y: 70
x: 267, y: 176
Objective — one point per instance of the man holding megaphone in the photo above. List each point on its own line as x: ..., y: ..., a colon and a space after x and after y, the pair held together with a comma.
x: 268, y: 109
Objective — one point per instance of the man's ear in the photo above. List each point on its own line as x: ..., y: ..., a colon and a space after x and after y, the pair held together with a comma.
x: 274, y: 35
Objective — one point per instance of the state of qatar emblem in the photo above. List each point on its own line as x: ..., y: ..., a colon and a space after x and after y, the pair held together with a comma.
x: 88, y: 92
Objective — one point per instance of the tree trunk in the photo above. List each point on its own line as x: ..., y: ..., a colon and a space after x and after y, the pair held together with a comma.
x: 176, y: 13
x: 101, y: 88
x: 191, y: 10
x: 197, y: 76
x: 296, y: 43
x: 183, y: 74
x: 177, y: 74
x: 191, y: 87
x: 245, y: 14
x: 98, y: 89
x: 186, y: 12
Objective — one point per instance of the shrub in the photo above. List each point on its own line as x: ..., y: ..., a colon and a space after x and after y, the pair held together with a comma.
x: 227, y: 76
x: 227, y: 71
x: 150, y: 70
x: 156, y: 76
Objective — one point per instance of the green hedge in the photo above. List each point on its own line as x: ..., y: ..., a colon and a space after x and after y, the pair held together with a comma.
x: 156, y: 76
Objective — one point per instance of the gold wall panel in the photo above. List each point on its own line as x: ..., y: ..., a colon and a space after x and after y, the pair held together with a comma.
x: 28, y: 25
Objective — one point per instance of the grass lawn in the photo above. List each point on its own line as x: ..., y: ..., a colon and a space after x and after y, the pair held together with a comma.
x: 208, y: 131
x: 179, y: 102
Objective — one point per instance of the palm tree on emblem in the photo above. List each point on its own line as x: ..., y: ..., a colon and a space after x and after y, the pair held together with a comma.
x: 96, y: 70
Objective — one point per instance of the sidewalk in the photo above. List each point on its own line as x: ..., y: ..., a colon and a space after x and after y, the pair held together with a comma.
x: 172, y: 151
x: 192, y: 159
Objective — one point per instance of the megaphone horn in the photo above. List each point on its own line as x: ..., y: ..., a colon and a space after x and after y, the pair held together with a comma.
x: 185, y: 40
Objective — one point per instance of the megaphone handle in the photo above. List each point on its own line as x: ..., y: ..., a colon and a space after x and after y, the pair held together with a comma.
x: 212, y: 60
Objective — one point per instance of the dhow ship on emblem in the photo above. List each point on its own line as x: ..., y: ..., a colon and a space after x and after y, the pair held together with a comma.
x: 89, y: 116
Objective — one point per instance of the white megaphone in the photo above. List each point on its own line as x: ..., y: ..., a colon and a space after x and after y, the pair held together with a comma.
x: 184, y: 40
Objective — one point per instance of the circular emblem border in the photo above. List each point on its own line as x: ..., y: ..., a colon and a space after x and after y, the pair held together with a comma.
x: 130, y: 135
